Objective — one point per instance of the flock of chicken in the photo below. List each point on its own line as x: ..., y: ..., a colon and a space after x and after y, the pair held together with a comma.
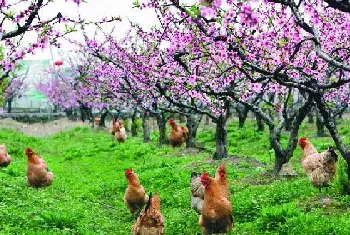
x: 210, y: 196
x: 177, y: 137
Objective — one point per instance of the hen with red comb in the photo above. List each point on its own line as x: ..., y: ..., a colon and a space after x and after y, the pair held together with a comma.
x: 135, y: 196
x: 221, y: 178
x: 319, y: 167
x: 216, y: 216
x: 37, y: 171
x: 302, y: 142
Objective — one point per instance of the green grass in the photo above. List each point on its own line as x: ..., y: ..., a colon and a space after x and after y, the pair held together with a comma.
x: 86, y: 196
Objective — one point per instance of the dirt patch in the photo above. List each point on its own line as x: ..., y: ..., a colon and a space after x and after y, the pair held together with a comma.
x: 320, y: 201
x: 236, y: 161
x: 266, y: 177
x: 261, y: 179
x: 41, y: 129
x: 248, y: 161
x: 183, y: 152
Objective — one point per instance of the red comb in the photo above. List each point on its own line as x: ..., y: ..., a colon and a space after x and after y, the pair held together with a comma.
x: 205, y: 175
x: 128, y: 171
x: 28, y: 151
x: 301, y: 140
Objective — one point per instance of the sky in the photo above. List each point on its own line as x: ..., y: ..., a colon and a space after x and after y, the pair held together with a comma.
x: 94, y: 10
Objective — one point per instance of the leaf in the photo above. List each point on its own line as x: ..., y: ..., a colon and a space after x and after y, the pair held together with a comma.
x: 282, y: 42
x: 136, y: 4
x: 194, y: 10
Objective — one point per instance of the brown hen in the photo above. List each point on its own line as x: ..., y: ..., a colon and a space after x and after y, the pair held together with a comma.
x: 5, y: 158
x: 37, y: 171
x: 178, y: 134
x: 150, y: 221
x: 319, y: 167
x: 216, y: 214
x: 135, y: 196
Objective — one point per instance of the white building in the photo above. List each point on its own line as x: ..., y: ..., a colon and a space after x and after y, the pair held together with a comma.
x: 33, y: 99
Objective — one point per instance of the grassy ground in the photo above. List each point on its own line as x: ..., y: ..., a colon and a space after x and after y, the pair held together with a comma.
x: 86, y: 196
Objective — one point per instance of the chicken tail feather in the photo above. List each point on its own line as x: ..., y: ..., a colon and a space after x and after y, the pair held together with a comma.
x: 334, y: 155
x: 148, y: 205
x: 194, y: 174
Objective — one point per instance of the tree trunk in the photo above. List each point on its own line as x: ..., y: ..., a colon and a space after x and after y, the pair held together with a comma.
x: 320, y: 126
x: 192, y: 125
x: 9, y: 106
x: 288, y: 124
x: 242, y: 117
x: 331, y: 125
x: 340, y: 115
x: 146, y: 128
x: 207, y: 120
x: 310, y: 117
x: 275, y: 142
x: 182, y: 118
x: 134, y: 124
x: 161, y: 121
x: 91, y: 118
x: 242, y: 112
x: 69, y: 113
x: 86, y: 113
x: 280, y: 160
x: 283, y: 156
x: 271, y: 115
x: 221, y: 139
x: 103, y: 119
x: 260, y: 123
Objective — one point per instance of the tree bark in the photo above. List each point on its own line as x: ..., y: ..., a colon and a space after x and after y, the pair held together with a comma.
x: 260, y: 123
x: 192, y: 125
x: 134, y: 124
x: 271, y: 115
x: 275, y: 142
x: 242, y: 119
x: 331, y: 125
x: 9, y: 105
x: 182, y: 118
x: 242, y: 112
x: 283, y: 156
x: 320, y: 126
x: 207, y: 120
x: 310, y: 117
x: 221, y: 139
x: 69, y: 113
x: 146, y: 128
x: 280, y: 160
x: 103, y: 119
x: 288, y: 124
x: 161, y: 121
